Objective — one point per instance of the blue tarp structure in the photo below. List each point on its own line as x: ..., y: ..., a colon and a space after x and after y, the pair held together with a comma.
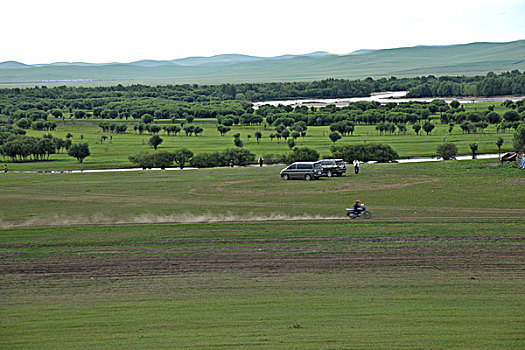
x: 522, y: 165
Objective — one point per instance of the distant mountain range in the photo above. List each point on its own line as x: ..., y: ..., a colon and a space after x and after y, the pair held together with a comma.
x: 475, y: 58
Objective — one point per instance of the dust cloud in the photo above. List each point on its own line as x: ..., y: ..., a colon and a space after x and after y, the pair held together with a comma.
x: 188, y: 218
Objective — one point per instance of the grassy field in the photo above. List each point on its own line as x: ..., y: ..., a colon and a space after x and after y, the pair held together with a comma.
x: 114, y: 153
x: 239, y: 259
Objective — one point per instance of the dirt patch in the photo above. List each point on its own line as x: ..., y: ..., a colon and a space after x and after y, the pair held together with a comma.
x: 272, y: 255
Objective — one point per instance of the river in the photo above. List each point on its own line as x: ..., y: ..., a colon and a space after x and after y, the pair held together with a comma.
x: 381, y: 97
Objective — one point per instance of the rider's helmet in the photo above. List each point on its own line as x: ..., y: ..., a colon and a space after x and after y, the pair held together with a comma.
x: 357, y: 201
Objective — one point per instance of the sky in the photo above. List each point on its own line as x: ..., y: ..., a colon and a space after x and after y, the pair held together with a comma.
x: 100, y: 31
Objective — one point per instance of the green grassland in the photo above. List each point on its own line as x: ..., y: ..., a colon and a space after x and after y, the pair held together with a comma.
x: 114, y: 153
x: 237, y: 258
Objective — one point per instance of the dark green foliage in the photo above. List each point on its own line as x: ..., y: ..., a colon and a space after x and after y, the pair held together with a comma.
x: 511, y: 116
x: 474, y: 149
x: 162, y: 159
x: 302, y: 154
x: 258, y: 136
x: 182, y: 156
x: 23, y: 123
x: 447, y: 150
x: 428, y: 127
x: 79, y: 151
x: 148, y: 160
x: 147, y: 118
x: 155, y: 141
x: 365, y: 152
x: 334, y: 136
x: 144, y: 160
x: 499, y: 143
x: 239, y: 156
x: 519, y: 138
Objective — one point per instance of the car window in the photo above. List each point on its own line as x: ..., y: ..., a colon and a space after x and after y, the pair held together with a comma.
x: 292, y: 167
x: 317, y: 165
x: 304, y: 166
x: 340, y: 162
x: 324, y: 162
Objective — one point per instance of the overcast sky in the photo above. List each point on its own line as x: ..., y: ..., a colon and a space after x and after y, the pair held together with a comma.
x: 45, y: 31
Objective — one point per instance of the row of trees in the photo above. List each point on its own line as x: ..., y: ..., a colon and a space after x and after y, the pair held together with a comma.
x: 21, y: 148
x: 210, y: 101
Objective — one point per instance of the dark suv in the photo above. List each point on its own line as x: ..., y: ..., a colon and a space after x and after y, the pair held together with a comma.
x: 333, y: 167
x: 302, y: 170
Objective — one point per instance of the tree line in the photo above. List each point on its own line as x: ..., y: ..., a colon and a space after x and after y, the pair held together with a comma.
x: 209, y: 101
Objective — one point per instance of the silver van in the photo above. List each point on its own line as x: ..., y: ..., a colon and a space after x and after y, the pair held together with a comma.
x: 302, y: 170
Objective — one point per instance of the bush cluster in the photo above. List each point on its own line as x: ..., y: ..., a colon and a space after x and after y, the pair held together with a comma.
x: 365, y: 152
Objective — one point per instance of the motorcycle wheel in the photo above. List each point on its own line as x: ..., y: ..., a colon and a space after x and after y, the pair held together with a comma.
x: 367, y: 215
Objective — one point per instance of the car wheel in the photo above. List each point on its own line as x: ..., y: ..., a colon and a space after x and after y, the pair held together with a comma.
x: 286, y: 177
x: 308, y: 177
x: 329, y: 173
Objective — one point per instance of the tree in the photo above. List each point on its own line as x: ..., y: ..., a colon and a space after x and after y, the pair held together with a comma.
x: 499, y: 143
x: 428, y: 127
x: 144, y: 160
x: 416, y: 128
x: 237, y: 140
x: 197, y: 130
x: 519, y: 138
x: 291, y: 143
x: 447, y: 150
x: 23, y: 123
x: 147, y: 118
x: 162, y: 159
x: 454, y: 104
x: 511, y: 116
x: 285, y: 134
x: 223, y: 129
x: 155, y: 141
x: 182, y: 156
x: 258, y: 136
x: 334, y: 136
x: 474, y: 148
x: 79, y: 151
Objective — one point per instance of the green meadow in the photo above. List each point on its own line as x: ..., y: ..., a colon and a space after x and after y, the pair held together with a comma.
x: 115, y: 150
x: 237, y: 258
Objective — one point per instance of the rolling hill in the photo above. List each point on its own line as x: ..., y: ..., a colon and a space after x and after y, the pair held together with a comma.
x: 466, y: 59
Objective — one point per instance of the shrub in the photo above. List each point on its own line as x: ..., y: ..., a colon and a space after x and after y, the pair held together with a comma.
x: 240, y: 156
x: 273, y: 158
x: 181, y: 156
x: 302, y: 154
x: 148, y: 160
x: 519, y: 138
x: 447, y: 150
x: 365, y: 152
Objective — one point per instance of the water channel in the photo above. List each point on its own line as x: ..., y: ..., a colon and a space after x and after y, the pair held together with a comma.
x: 381, y: 97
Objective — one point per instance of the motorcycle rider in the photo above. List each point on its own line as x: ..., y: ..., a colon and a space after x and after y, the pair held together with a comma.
x: 358, y: 207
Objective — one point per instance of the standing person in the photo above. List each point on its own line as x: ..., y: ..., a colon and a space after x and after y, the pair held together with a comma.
x: 231, y: 163
x: 5, y: 168
x: 261, y: 160
x: 356, y: 166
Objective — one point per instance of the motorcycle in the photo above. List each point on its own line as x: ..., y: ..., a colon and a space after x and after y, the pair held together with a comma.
x: 363, y: 212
